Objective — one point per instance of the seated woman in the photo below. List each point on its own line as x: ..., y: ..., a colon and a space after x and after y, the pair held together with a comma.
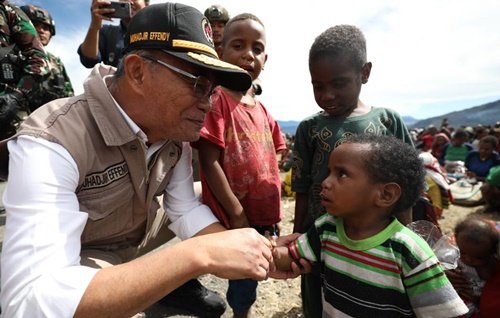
x: 456, y: 151
x: 440, y: 141
x: 479, y: 162
x: 491, y: 191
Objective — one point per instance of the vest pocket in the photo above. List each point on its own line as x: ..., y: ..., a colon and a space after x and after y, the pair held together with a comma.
x: 110, y: 211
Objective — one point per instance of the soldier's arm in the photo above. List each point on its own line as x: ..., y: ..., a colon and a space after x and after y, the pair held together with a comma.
x: 36, y: 68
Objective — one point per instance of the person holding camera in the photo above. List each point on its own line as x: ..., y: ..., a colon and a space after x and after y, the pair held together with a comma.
x: 57, y: 84
x: 104, y: 43
x: 23, y: 66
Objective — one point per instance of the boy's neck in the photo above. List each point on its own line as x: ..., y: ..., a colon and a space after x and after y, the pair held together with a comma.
x: 360, y: 229
x: 246, y: 97
x: 361, y: 109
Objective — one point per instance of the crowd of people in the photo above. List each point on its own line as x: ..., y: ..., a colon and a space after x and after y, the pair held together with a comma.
x: 96, y: 183
x: 469, y: 154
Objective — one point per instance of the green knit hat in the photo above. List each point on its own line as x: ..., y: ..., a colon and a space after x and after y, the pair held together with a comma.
x: 493, y: 177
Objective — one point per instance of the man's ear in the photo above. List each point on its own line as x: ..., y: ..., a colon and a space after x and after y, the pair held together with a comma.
x: 365, y: 72
x: 389, y: 194
x: 135, y: 72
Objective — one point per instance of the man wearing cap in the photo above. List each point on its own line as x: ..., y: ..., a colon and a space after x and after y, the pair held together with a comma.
x: 88, y: 175
x: 218, y: 17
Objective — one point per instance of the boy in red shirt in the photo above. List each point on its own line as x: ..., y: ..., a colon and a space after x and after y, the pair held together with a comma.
x: 237, y: 150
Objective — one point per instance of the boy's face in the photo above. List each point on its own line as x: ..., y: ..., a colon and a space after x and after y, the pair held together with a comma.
x: 474, y: 254
x: 347, y: 191
x: 244, y: 46
x: 337, y: 84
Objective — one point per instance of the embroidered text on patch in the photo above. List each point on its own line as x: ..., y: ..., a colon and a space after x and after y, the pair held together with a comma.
x: 106, y: 177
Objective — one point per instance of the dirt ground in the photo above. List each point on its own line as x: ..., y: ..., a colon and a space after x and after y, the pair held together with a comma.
x: 279, y: 299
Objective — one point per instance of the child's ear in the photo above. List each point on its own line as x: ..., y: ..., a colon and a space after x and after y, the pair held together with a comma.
x: 389, y: 194
x: 365, y: 72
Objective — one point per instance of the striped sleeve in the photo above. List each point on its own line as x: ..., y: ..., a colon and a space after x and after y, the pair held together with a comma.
x: 429, y: 290
x: 309, y: 244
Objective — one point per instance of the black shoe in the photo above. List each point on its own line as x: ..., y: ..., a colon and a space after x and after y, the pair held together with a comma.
x: 195, y: 298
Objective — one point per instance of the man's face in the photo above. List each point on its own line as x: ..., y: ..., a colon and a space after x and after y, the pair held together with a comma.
x: 217, y: 31
x: 173, y: 110
x: 43, y: 31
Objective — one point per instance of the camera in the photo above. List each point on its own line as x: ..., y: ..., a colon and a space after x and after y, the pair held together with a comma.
x: 122, y: 10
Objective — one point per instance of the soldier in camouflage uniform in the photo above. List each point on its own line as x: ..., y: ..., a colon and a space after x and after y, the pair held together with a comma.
x: 57, y: 84
x: 23, y: 65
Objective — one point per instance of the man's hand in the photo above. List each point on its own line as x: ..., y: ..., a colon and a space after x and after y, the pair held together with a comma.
x: 97, y: 13
x: 236, y: 254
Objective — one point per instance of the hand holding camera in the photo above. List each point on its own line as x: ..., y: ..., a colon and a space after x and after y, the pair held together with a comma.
x: 119, y: 10
x: 107, y: 10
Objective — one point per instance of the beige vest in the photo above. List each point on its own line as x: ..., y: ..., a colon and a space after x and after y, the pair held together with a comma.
x: 117, y: 188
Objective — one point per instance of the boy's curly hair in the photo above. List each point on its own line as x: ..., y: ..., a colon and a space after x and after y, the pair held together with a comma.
x: 341, y: 41
x: 391, y: 160
x: 240, y: 17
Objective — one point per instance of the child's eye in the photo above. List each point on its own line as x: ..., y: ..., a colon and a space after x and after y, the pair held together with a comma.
x: 258, y: 50
x: 338, y: 85
x: 342, y: 174
x: 317, y: 88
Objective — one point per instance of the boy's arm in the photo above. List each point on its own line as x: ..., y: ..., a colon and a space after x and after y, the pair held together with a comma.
x: 301, y: 206
x: 282, y: 259
x: 209, y: 155
x: 285, y: 266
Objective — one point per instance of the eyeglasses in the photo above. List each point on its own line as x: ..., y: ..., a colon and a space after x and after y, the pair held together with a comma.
x: 202, y: 87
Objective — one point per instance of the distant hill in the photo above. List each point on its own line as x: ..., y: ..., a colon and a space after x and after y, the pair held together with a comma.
x: 487, y: 114
x: 288, y: 127
x: 409, y: 120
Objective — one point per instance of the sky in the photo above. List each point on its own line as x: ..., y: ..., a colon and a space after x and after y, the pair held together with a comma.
x: 430, y: 57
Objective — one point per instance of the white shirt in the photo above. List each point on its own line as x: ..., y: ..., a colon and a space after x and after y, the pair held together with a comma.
x: 41, y: 272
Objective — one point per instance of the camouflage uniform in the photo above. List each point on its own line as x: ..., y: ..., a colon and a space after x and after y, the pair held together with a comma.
x: 16, y: 28
x: 57, y: 84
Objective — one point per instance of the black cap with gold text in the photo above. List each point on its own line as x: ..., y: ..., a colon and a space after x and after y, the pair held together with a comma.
x: 184, y: 32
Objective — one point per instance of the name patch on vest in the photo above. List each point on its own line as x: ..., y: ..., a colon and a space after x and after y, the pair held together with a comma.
x: 106, y: 177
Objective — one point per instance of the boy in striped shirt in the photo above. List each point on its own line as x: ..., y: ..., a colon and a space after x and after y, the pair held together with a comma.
x: 371, y: 265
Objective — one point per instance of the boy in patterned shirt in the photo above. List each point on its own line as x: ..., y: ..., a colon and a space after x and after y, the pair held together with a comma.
x: 371, y: 265
x: 339, y: 68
